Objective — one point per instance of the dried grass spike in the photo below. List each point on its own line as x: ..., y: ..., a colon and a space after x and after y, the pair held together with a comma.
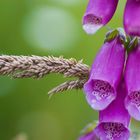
x: 68, y: 85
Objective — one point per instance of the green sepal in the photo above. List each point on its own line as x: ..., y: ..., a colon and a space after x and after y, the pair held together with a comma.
x: 133, y: 43
x: 119, y: 32
x: 122, y: 36
x: 111, y: 35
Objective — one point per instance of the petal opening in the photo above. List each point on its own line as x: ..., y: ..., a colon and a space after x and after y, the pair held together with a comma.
x: 91, y: 23
x: 112, y: 131
x: 132, y: 104
x: 99, y: 94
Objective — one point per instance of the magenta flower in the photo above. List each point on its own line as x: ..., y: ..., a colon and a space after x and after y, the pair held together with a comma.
x: 132, y: 17
x: 132, y: 80
x: 105, y: 75
x: 98, y: 14
x: 114, y: 120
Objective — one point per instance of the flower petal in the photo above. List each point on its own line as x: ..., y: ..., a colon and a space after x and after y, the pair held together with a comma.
x: 112, y: 131
x: 133, y: 106
x: 132, y: 17
x: 105, y: 75
x: 114, y: 120
x: 99, y: 93
x: 132, y: 80
x: 98, y: 14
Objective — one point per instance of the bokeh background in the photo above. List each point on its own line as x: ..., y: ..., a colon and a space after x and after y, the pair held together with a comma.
x: 45, y: 27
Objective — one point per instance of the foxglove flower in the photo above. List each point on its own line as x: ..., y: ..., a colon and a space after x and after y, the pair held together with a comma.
x: 114, y: 121
x: 132, y: 80
x: 132, y: 17
x: 98, y: 14
x: 105, y: 75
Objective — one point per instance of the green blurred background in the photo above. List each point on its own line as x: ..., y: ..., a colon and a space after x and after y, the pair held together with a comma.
x: 45, y: 27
